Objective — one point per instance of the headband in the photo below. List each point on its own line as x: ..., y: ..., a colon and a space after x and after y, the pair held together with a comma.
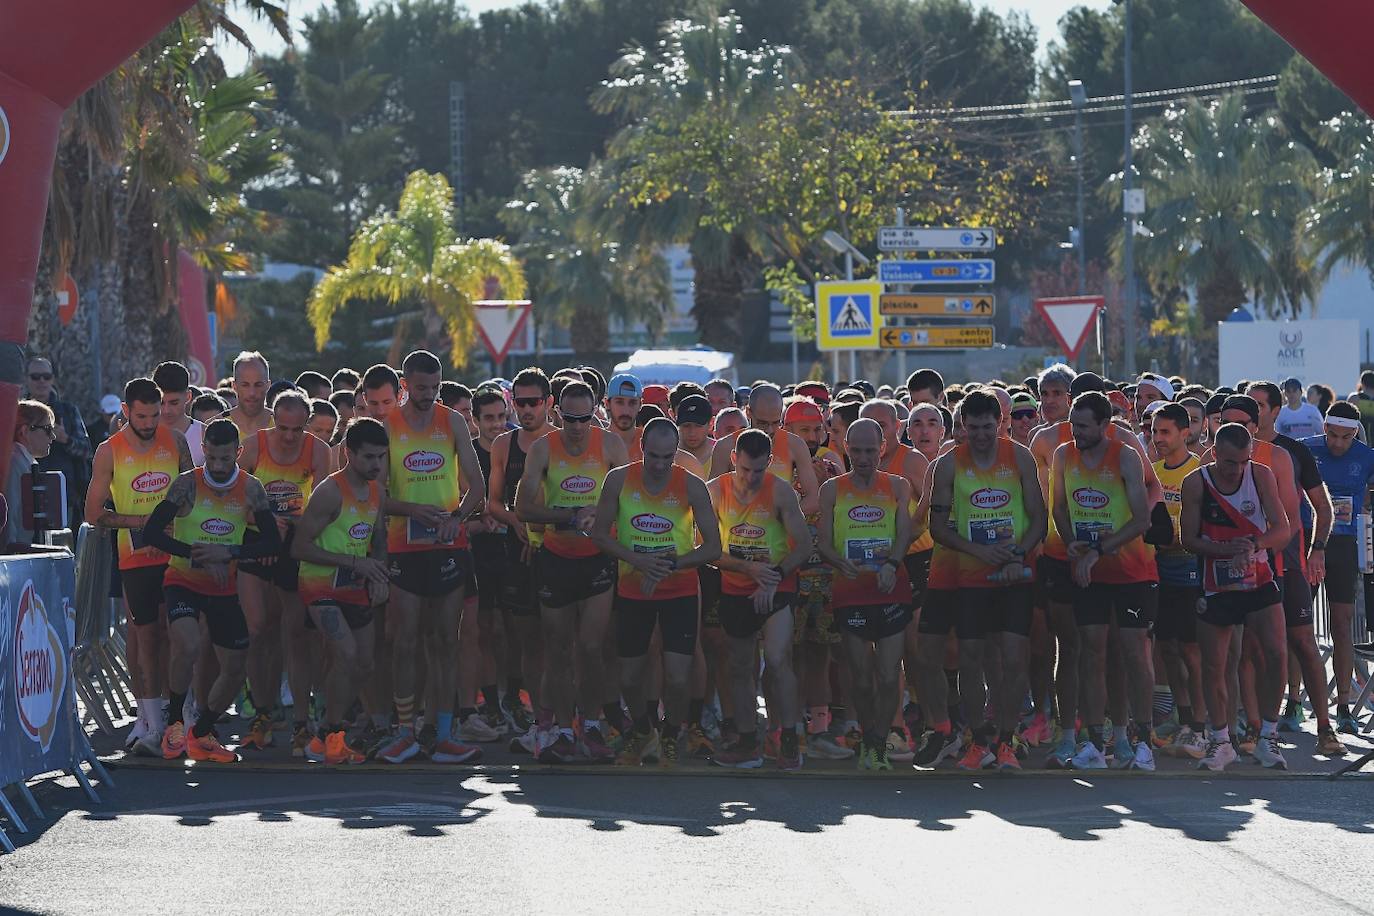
x: 1342, y: 422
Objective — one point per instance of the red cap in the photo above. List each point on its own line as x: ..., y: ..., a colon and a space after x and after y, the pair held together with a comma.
x: 1119, y: 399
x: 816, y: 391
x: 656, y: 394
x: 803, y: 411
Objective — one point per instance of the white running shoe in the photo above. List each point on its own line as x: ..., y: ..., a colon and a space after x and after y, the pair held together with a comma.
x: 1144, y: 757
x: 139, y: 730
x: 1217, y: 756
x: 1089, y: 757
x: 824, y: 747
x: 1267, y: 753
x: 150, y: 745
x: 1188, y: 743
x: 898, y: 750
x: 477, y: 730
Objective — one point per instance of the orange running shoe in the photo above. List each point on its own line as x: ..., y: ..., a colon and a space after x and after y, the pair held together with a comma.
x: 259, y: 733
x: 174, y: 741
x: 338, y: 751
x: 316, y: 751
x: 208, y: 748
x: 977, y: 757
x: 1006, y: 757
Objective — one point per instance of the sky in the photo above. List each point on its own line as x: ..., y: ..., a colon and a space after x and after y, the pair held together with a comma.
x: 1044, y: 15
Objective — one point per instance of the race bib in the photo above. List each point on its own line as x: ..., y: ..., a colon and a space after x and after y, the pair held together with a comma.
x: 989, y: 532
x: 1091, y: 532
x: 749, y: 553
x: 417, y: 532
x: 1235, y: 573
x: 867, y: 552
x: 1344, y: 509
x: 346, y: 578
x: 136, y: 538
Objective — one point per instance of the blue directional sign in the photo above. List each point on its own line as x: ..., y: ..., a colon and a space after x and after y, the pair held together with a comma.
x: 982, y: 270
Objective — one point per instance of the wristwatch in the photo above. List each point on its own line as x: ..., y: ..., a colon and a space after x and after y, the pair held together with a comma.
x: 1319, y: 545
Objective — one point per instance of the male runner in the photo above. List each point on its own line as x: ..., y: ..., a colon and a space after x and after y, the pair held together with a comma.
x: 865, y: 529
x: 531, y: 400
x: 131, y: 473
x: 693, y: 415
x: 207, y: 509
x: 1100, y: 507
x: 251, y: 381
x: 925, y: 386
x: 720, y: 394
x: 1025, y: 418
x: 429, y: 560
x: 1053, y: 386
x: 174, y: 382
x: 791, y: 459
x: 289, y: 462
x: 340, y: 542
x: 986, y: 508
x: 624, y: 397
x: 575, y: 578
x: 657, y: 508
x: 1347, y: 467
x: 1180, y: 584
x: 1233, y: 519
x: 765, y: 541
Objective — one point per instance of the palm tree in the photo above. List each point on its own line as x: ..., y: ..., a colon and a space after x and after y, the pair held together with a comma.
x: 588, y: 261
x: 1341, y: 222
x: 1226, y: 193
x: 699, y: 65
x: 414, y: 256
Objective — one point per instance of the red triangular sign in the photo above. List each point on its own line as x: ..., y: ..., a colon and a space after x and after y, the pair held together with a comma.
x: 1070, y: 319
x: 499, y: 322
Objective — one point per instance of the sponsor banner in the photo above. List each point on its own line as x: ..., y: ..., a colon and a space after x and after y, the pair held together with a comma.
x: 38, y: 729
x: 1312, y: 350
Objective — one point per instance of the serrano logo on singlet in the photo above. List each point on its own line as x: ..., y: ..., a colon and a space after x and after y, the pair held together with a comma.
x: 1247, y: 508
x: 988, y: 498
x: 868, y: 514
x: 361, y: 531
x: 1089, y: 498
x: 425, y: 462
x: 217, y: 527
x: 282, y: 488
x: 578, y: 484
x: 150, y: 482
x: 747, y: 531
x: 650, y: 523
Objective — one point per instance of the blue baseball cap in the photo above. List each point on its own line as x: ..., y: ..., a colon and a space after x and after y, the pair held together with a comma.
x: 624, y: 385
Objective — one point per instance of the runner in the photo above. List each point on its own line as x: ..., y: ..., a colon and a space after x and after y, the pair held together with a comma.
x: 1100, y: 497
x: 324, y: 422
x: 720, y: 394
x: 1025, y: 418
x: 429, y: 560
x: 131, y: 473
x: 925, y: 386
x: 174, y: 382
x: 207, y: 509
x: 624, y: 397
x: 251, y: 381
x: 340, y: 542
x: 764, y: 542
x: 654, y: 505
x: 865, y: 529
x: 1053, y: 386
x: 791, y: 459
x: 1347, y: 467
x: 575, y: 578
x: 693, y: 416
x: 1233, y: 518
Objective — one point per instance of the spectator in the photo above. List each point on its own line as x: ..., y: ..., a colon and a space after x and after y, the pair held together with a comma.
x: 100, y: 430
x: 1363, y: 399
x: 1322, y: 396
x: 71, y: 449
x: 34, y: 429
x: 1297, y: 418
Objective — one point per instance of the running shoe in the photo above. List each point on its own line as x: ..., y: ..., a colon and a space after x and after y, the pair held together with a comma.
x: 1291, y: 723
x: 300, y: 739
x: 1144, y: 758
x: 1062, y: 756
x: 427, y: 737
x: 138, y: 732
x: 667, y: 747
x: 519, y: 718
x: 632, y: 746
x: 853, y: 739
x: 476, y: 729
x: 1245, y: 741
x: 697, y: 742
x: 878, y: 760
x: 652, y: 750
x: 556, y: 746
x: 824, y: 747
x: 399, y: 748
x: 1188, y: 743
x: 451, y: 751
x: 937, y: 747
x: 1328, y: 745
x: 592, y: 744
x: 1267, y: 753
x: 1038, y: 731
x: 315, y: 750
x: 1006, y: 757
x: 259, y: 733
x: 173, y: 741
x: 209, y: 749
x: 977, y: 757
x: 790, y: 755
x: 898, y: 748
x: 495, y: 720
x: 1088, y: 757
x: 150, y: 745
x: 1123, y: 754
x: 1347, y: 725
x: 1218, y: 755
x: 771, y: 741
x: 739, y: 757
x: 524, y: 744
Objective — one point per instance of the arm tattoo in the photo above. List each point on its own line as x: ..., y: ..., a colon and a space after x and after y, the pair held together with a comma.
x: 183, y: 491
x: 184, y: 459
x: 257, y: 496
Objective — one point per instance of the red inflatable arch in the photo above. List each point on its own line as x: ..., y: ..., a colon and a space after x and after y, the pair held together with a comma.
x: 1333, y: 34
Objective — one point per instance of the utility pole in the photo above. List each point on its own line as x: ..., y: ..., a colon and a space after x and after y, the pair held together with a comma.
x: 1128, y: 218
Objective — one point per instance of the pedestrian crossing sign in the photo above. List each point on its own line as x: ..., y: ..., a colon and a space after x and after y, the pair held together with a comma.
x: 847, y: 316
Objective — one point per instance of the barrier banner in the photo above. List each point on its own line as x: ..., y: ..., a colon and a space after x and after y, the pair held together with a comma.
x: 38, y: 724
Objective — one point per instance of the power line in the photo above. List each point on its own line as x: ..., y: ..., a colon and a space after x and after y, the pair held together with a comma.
x: 1045, y: 115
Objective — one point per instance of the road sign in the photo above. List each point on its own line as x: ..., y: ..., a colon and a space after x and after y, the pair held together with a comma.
x: 928, y: 337
x: 981, y: 270
x: 67, y: 300
x: 964, y: 305
x: 1070, y: 319
x: 847, y: 315
x: 929, y: 238
x: 499, y: 321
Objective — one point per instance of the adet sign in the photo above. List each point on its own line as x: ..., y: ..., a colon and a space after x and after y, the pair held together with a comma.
x: 1311, y: 350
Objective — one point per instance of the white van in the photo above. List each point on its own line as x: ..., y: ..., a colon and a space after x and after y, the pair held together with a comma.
x: 668, y: 367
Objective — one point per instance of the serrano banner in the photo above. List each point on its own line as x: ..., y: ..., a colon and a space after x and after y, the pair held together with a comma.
x: 38, y: 725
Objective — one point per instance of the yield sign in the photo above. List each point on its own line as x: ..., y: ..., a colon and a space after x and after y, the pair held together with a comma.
x: 499, y: 321
x: 1070, y: 318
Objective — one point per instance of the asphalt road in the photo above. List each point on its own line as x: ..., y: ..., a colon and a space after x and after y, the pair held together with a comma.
x: 172, y: 840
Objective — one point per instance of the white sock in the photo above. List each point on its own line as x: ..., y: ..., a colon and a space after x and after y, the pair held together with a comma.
x: 157, y: 721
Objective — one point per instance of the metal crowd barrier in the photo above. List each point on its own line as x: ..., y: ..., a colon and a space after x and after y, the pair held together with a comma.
x: 101, y: 672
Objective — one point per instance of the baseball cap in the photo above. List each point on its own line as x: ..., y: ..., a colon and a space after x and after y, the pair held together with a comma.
x: 802, y: 411
x: 1157, y: 382
x: 694, y: 409
x: 1022, y: 399
x: 646, y: 412
x: 816, y: 391
x: 109, y: 403
x: 624, y: 385
x: 1086, y: 381
x: 1155, y: 405
x: 1292, y: 384
x: 1119, y: 400
x: 656, y: 394
x: 1214, y: 403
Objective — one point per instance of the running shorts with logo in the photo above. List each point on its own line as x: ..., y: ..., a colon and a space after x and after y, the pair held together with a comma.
x: 1234, y: 587
x: 864, y: 528
x: 139, y: 482
x: 223, y: 615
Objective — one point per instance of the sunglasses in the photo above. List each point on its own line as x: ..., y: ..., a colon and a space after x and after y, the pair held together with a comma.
x: 528, y: 402
x: 1022, y: 414
x: 40, y: 376
x: 578, y: 418
x: 47, y: 429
